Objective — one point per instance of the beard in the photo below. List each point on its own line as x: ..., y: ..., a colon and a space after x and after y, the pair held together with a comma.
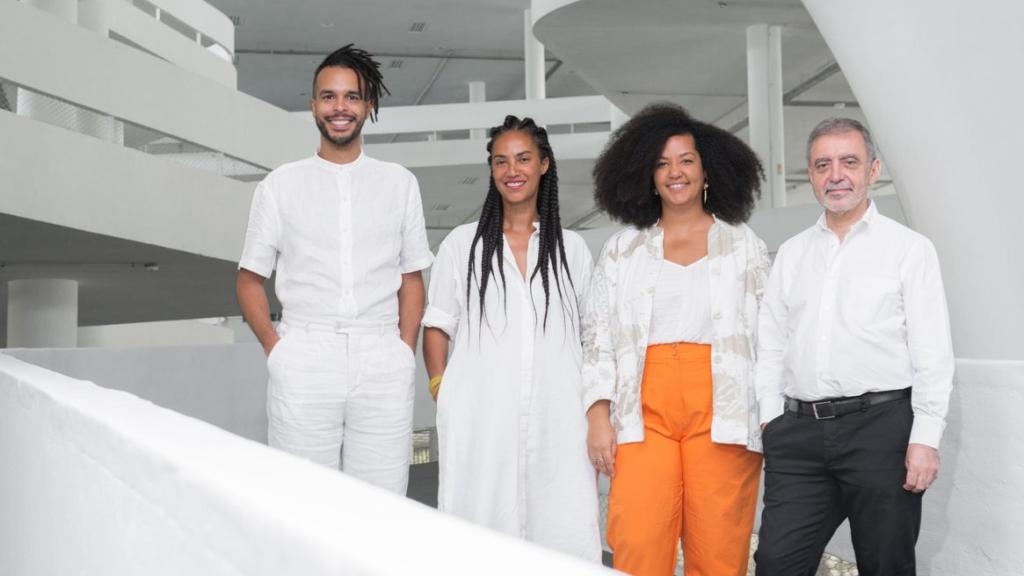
x: 340, y: 141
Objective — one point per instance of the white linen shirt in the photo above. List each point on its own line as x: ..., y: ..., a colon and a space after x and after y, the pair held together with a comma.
x: 340, y: 236
x: 865, y: 315
x: 617, y: 321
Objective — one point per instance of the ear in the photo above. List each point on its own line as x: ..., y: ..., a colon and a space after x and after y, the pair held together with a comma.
x: 544, y: 166
x: 876, y: 169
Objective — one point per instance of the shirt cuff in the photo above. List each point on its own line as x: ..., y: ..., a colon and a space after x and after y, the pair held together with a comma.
x: 927, y: 430
x: 770, y: 408
x: 418, y: 264
x: 595, y: 394
x: 255, y: 266
x: 437, y: 318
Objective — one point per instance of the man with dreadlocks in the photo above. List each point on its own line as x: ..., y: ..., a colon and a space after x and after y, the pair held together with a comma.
x: 346, y: 235
x: 511, y: 434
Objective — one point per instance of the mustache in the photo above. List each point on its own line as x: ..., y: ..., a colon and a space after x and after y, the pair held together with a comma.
x: 843, y: 186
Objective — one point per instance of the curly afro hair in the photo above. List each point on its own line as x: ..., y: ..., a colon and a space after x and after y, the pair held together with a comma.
x: 624, y: 173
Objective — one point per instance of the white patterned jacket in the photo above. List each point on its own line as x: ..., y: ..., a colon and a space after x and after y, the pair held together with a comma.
x: 617, y: 318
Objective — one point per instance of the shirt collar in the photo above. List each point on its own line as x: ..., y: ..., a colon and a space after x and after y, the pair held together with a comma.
x: 865, y: 220
x: 320, y: 161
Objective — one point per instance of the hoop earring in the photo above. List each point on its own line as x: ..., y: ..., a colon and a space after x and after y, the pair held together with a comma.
x: 705, y: 191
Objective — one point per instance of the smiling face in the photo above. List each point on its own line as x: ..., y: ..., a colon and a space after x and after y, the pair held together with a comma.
x: 841, y: 173
x: 339, y: 107
x: 516, y: 166
x: 679, y: 174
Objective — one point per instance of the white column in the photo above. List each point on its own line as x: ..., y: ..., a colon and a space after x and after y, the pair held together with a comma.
x: 533, y: 55
x: 95, y: 15
x: 764, y: 96
x: 477, y: 93
x: 42, y: 313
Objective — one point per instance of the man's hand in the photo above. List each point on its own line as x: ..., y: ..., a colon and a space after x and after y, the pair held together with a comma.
x: 922, y: 467
x: 269, y: 347
x: 601, y: 438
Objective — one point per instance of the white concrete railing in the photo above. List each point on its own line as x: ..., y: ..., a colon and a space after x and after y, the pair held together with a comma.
x: 194, y: 19
x: 182, y: 44
x: 115, y: 80
x: 97, y: 481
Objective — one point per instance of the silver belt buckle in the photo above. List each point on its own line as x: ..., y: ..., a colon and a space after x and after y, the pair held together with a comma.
x: 817, y: 416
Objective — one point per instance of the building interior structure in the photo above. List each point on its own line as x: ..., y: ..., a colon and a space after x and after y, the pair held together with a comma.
x: 133, y: 132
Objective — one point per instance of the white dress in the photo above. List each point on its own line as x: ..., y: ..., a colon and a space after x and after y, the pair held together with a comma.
x: 510, y: 420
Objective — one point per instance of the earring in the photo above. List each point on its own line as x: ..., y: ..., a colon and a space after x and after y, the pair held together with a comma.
x: 705, y: 191
x: 655, y: 190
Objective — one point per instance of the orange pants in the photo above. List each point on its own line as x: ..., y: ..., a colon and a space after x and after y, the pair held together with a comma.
x: 677, y: 483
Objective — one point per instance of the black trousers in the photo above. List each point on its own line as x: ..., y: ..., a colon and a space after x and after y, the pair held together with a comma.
x: 820, y: 472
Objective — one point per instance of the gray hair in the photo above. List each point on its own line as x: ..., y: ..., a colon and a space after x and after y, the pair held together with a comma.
x: 840, y: 126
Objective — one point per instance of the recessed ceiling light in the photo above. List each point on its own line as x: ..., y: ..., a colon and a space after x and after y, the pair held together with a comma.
x: 470, y: 180
x: 396, y: 63
x: 417, y: 26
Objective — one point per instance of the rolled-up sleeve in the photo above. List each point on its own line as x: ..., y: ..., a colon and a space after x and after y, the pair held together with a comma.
x: 444, y: 306
x: 263, y: 233
x: 930, y: 343
x: 415, y: 246
x: 598, y: 353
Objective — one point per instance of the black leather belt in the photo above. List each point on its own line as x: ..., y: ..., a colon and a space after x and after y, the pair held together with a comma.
x: 827, y: 409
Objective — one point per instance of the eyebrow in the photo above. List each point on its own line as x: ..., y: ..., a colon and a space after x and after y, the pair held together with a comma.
x: 687, y: 153
x: 829, y: 158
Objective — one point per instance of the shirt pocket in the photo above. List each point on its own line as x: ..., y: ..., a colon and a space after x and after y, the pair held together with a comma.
x: 872, y: 302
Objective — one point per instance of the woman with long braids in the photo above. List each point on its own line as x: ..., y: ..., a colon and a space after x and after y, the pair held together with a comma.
x: 669, y: 339
x: 506, y: 291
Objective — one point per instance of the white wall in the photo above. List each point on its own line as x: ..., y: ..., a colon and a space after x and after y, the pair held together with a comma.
x: 222, y: 385
x: 150, y: 334
x: 65, y: 178
x: 98, y: 482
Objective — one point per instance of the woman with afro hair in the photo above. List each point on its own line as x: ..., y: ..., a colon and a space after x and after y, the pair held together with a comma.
x: 668, y: 344
x: 505, y: 292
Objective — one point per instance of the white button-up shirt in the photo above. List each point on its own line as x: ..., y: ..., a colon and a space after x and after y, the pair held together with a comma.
x: 868, y: 314
x: 340, y: 236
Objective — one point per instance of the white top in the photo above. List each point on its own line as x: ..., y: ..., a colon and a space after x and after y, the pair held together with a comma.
x: 340, y: 236
x: 865, y: 315
x: 617, y: 323
x: 682, y: 304
x: 510, y: 424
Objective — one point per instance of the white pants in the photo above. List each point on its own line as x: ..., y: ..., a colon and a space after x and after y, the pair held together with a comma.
x: 351, y: 388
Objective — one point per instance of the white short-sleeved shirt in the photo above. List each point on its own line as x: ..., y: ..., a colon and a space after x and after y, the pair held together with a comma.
x: 340, y: 237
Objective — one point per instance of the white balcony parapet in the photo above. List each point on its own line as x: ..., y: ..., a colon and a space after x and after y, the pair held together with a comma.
x: 129, y: 85
x: 98, y: 481
x: 180, y: 44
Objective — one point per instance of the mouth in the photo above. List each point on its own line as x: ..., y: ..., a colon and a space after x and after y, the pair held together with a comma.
x: 340, y: 122
x: 676, y: 186
x: 515, y: 184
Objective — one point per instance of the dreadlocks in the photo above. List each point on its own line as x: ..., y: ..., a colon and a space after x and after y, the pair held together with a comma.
x: 371, y: 83
x: 489, y: 231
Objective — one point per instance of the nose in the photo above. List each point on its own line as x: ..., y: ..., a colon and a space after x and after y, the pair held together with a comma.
x: 835, y: 173
x: 674, y: 170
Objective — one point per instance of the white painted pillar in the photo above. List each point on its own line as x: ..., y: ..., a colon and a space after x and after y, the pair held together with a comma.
x: 42, y: 313
x: 95, y: 15
x: 533, y: 55
x: 477, y: 93
x: 764, y: 97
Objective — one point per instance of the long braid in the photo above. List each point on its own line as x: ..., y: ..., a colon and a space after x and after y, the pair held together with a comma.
x: 551, y: 247
x: 489, y: 233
